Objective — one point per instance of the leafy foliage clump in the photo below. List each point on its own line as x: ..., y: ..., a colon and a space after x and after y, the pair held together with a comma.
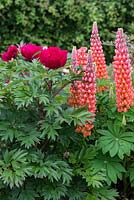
x: 42, y: 157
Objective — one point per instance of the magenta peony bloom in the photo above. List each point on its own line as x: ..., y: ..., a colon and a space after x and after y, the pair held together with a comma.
x: 10, y: 53
x: 5, y: 57
x: 53, y: 57
x: 31, y: 51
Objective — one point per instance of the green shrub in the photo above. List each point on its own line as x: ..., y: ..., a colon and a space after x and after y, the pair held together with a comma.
x: 63, y: 23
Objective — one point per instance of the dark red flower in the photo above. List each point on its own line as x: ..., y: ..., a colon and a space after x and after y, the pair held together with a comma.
x: 5, y: 57
x: 31, y: 51
x: 10, y: 53
x: 53, y: 57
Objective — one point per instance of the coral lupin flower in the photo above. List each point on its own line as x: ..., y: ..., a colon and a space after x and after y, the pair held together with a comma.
x: 83, y: 92
x: 79, y: 59
x: 122, y: 73
x: 98, y: 56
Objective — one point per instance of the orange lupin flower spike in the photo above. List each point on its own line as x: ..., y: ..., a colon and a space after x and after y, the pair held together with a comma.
x: 98, y: 56
x: 122, y: 73
x: 83, y: 92
x: 89, y: 91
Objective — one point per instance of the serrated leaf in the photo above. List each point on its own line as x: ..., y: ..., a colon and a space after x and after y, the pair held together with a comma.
x: 15, y: 168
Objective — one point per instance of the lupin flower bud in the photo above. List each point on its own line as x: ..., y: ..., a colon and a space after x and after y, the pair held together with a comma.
x: 83, y: 92
x: 122, y: 73
x: 98, y: 56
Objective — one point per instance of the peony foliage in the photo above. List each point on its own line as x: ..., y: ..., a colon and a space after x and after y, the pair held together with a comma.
x: 43, y: 156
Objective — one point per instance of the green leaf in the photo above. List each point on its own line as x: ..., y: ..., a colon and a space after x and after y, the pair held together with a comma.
x: 112, y: 167
x: 116, y: 141
x: 27, y: 193
x: 15, y: 168
x: 93, y: 177
x: 103, y: 194
x: 49, y: 130
x: 53, y: 191
x: 28, y: 139
x: 90, y: 197
x: 53, y: 170
x: 43, y: 99
x: 83, y: 155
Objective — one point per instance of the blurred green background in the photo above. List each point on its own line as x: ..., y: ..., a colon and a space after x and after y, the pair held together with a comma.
x: 63, y: 23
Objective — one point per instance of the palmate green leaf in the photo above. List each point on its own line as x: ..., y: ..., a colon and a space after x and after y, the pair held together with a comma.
x: 112, y: 167
x: 15, y: 168
x: 116, y: 141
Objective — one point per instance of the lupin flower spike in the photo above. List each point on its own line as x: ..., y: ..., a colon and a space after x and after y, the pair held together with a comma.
x: 122, y: 73
x: 83, y: 92
x: 98, y: 56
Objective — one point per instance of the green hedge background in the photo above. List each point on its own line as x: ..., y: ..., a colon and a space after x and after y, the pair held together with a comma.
x: 63, y: 23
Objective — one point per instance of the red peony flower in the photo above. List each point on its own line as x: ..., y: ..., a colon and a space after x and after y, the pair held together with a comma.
x: 5, y: 57
x: 53, y: 57
x: 31, y: 51
x: 10, y: 53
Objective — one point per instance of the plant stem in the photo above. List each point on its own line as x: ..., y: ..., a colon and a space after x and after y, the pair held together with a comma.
x: 50, y: 86
x: 58, y: 91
